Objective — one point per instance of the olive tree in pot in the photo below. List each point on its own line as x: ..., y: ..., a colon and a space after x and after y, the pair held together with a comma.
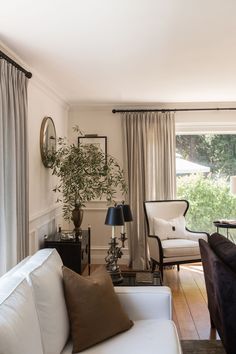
x: 85, y: 173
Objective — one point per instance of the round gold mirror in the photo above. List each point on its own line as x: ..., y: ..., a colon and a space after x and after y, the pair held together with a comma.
x: 47, y: 141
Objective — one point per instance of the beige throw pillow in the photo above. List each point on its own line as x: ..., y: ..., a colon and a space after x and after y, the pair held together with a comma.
x: 94, y: 309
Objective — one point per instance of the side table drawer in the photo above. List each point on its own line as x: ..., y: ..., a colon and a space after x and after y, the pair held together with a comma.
x: 70, y: 254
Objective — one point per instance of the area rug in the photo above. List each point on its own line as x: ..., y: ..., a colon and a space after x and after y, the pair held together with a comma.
x: 202, y: 347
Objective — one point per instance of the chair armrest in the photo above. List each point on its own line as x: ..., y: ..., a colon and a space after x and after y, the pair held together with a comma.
x: 155, y: 247
x: 195, y: 236
x: 146, y: 302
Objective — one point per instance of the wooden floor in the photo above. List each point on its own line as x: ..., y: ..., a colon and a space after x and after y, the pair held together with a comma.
x: 190, y: 312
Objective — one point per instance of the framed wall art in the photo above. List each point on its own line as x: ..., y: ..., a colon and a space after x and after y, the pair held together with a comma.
x: 98, y: 141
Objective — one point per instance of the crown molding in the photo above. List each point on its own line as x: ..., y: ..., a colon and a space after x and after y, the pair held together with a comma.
x: 43, y: 85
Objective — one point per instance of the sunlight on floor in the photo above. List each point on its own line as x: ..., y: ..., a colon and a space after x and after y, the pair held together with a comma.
x: 193, y: 268
x: 190, y: 312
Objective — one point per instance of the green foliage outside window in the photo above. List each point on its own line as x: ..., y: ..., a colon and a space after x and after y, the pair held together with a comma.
x: 218, y: 151
x: 209, y: 196
x: 209, y: 199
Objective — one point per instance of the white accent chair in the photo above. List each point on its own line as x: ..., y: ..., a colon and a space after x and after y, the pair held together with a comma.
x: 169, y: 240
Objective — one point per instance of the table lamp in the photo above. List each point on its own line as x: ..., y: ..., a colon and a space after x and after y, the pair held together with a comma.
x: 127, y: 218
x: 114, y: 218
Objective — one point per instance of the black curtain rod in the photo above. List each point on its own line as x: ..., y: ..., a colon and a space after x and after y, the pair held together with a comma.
x: 173, y: 110
x: 4, y: 56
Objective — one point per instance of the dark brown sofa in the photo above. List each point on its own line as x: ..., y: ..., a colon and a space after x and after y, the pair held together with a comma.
x: 219, y: 264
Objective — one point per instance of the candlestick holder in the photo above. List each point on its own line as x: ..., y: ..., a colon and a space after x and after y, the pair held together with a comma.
x: 114, y: 218
x: 113, y: 254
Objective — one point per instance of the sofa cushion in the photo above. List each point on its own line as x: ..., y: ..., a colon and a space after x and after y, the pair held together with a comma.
x: 146, y: 336
x: 169, y: 229
x: 224, y: 248
x: 94, y: 309
x: 180, y: 248
x: 19, y: 327
x: 44, y: 272
x: 15, y: 268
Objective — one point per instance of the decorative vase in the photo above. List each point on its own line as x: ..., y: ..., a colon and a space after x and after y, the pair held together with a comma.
x: 77, y: 217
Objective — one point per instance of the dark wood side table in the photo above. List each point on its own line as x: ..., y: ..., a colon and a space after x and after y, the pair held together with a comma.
x: 140, y: 278
x: 227, y: 226
x: 75, y: 253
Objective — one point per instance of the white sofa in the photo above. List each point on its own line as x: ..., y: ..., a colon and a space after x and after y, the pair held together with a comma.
x: 33, y: 315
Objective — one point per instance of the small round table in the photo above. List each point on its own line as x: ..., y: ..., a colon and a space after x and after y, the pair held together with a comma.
x: 224, y: 225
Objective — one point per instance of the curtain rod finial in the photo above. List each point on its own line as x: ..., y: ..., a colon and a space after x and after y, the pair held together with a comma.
x: 114, y: 111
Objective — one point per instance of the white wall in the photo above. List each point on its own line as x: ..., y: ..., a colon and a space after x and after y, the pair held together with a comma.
x: 101, y: 121
x: 45, y: 215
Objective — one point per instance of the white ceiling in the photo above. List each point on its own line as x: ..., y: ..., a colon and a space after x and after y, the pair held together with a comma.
x: 122, y: 51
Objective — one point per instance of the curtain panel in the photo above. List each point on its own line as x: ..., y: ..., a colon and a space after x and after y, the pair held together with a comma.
x: 13, y: 166
x: 150, y: 166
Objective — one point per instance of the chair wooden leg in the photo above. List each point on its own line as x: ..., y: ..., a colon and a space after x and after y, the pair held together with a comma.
x: 153, y: 266
x: 161, y: 269
x: 178, y: 267
x: 212, y: 323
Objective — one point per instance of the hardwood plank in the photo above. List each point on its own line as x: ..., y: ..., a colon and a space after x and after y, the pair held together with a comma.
x: 196, y: 302
x: 185, y: 321
x: 198, y: 276
x: 196, y: 272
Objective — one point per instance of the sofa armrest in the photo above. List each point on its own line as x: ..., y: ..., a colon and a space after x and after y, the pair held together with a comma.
x: 146, y: 302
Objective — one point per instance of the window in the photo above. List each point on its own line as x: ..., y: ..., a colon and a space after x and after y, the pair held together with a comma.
x: 209, y: 160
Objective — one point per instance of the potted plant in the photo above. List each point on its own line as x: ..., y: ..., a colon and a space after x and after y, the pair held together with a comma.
x: 85, y: 173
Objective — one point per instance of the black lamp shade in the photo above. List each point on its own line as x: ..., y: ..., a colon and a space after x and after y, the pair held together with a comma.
x: 114, y: 216
x: 126, y: 212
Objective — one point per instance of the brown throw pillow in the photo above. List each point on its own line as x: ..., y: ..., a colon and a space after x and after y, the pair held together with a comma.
x: 94, y: 309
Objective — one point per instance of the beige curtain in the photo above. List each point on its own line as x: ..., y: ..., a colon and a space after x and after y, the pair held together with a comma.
x: 150, y: 165
x: 13, y: 166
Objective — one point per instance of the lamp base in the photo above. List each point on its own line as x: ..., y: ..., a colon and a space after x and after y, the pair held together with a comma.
x: 113, y: 254
x: 116, y: 276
